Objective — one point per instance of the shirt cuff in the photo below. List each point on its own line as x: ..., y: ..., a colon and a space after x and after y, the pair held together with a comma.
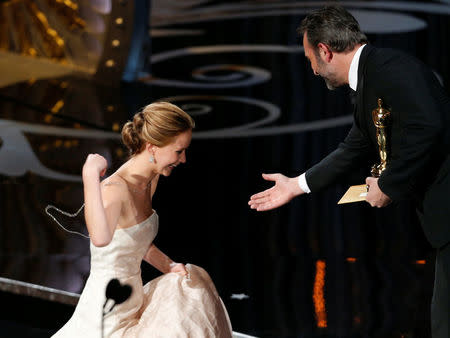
x: 303, y: 184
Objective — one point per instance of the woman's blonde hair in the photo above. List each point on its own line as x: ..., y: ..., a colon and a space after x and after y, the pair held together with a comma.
x: 158, y: 123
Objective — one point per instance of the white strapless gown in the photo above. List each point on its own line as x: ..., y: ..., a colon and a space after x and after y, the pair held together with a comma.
x: 168, y: 306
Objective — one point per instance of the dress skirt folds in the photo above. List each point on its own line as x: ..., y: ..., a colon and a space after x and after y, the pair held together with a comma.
x: 168, y: 306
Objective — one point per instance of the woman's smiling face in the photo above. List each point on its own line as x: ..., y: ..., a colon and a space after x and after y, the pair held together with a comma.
x: 172, y: 154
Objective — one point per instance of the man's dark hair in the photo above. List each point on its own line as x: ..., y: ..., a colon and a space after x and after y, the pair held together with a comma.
x: 334, y: 27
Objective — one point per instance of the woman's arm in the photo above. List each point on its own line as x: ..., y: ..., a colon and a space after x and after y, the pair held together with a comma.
x: 160, y: 261
x: 156, y: 257
x: 101, y: 212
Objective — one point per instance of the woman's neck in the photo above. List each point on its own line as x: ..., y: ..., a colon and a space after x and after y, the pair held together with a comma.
x: 135, y: 172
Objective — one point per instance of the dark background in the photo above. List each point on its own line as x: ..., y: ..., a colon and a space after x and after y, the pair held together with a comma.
x: 311, y: 268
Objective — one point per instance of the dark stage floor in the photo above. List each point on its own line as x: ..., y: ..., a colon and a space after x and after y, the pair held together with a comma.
x: 309, y: 269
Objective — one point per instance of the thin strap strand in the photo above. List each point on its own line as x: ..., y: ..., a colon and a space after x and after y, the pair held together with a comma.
x: 66, y: 214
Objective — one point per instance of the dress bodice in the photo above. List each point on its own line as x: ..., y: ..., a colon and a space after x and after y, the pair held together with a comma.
x: 123, y: 255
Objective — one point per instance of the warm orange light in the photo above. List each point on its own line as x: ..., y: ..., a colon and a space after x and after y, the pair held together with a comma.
x: 421, y: 262
x: 351, y: 259
x: 57, y: 107
x: 119, y: 152
x: 319, y: 295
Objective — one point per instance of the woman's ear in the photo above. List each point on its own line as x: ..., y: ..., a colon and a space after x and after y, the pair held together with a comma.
x: 150, y: 148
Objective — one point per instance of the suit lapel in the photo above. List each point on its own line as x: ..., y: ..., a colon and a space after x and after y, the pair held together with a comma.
x: 362, y: 117
x: 361, y: 72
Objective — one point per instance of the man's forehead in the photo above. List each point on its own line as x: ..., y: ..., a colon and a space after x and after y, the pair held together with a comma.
x: 306, y: 46
x: 304, y: 38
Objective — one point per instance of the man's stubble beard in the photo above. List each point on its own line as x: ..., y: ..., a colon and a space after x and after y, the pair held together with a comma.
x: 331, y: 81
x: 329, y: 85
x: 328, y: 76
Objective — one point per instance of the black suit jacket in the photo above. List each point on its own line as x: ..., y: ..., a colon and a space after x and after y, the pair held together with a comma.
x: 419, y: 137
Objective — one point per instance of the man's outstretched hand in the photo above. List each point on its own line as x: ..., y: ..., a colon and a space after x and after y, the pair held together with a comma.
x: 282, y: 192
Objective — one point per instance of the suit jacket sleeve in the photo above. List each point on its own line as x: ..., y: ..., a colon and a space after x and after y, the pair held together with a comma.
x: 341, y: 161
x: 410, y: 90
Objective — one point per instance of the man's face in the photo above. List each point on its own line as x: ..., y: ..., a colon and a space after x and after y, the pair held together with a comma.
x: 319, y: 66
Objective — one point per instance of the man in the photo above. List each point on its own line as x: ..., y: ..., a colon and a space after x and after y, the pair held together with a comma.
x: 419, y: 140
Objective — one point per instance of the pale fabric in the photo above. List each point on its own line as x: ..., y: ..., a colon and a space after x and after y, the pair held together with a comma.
x: 303, y: 184
x: 168, y: 306
x: 353, y: 70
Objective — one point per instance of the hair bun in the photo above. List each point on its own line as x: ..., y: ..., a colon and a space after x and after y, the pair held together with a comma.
x: 130, y: 135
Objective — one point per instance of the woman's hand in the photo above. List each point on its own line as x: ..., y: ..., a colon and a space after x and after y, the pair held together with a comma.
x: 95, y: 165
x: 178, y: 268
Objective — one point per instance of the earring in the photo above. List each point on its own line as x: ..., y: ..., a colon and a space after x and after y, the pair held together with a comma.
x: 152, y: 159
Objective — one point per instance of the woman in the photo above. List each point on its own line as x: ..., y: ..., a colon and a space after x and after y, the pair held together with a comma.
x: 122, y: 225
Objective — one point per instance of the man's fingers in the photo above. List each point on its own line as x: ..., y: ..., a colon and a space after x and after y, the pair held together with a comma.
x: 265, y: 206
x: 259, y: 201
x: 268, y: 204
x: 371, y: 180
x: 372, y: 204
x: 258, y: 195
x: 265, y: 193
x: 262, y: 194
x: 378, y: 204
x: 270, y: 177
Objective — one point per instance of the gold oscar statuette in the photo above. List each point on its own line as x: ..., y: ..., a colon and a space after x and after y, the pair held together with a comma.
x: 381, y: 119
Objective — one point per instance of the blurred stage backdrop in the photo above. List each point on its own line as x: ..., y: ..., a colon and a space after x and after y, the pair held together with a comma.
x: 73, y: 71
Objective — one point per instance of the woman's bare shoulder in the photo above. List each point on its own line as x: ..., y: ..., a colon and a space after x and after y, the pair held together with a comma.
x: 114, y: 183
